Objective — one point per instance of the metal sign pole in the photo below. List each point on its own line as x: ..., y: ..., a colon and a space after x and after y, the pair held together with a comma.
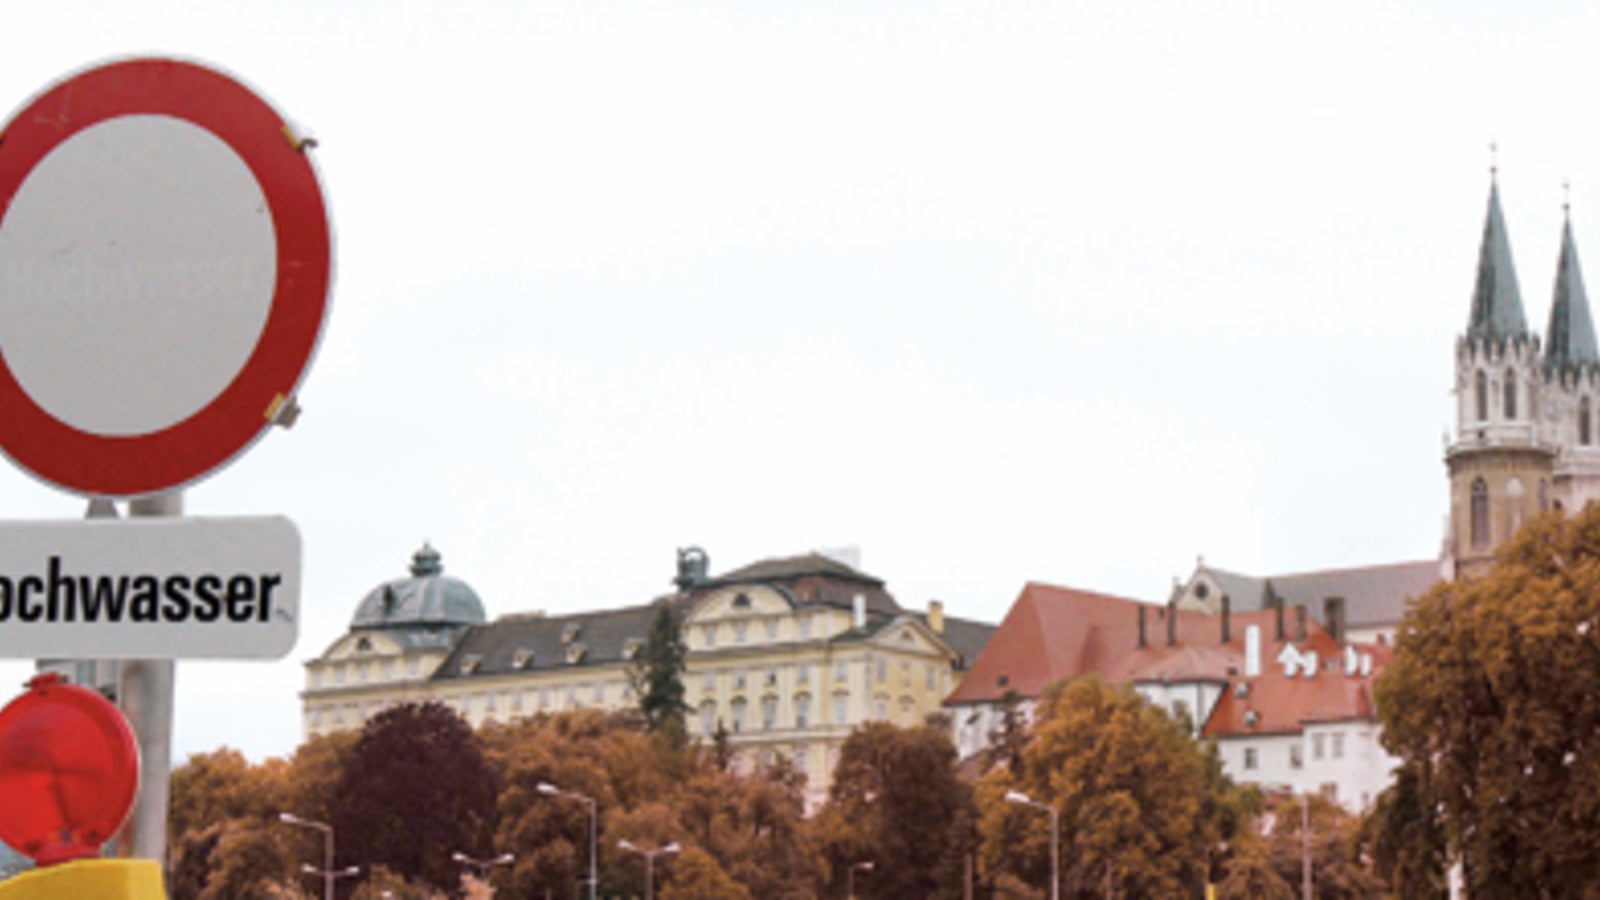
x: 144, y: 691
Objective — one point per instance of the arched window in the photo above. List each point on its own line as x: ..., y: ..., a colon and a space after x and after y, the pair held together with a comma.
x: 1480, y: 514
x: 1583, y: 421
x: 1483, y: 396
x: 1511, y: 394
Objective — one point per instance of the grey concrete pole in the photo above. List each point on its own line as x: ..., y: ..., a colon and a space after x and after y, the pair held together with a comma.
x: 144, y: 692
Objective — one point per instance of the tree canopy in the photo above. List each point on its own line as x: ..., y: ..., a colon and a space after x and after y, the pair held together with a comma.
x: 414, y: 790
x: 1140, y: 803
x: 1489, y: 706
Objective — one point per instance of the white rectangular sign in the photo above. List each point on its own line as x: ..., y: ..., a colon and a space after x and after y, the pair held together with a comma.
x: 179, y: 588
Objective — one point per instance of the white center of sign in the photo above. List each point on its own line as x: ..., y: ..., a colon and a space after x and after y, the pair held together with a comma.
x: 137, y: 268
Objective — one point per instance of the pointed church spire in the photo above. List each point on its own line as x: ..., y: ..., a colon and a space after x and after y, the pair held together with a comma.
x: 1570, y: 340
x: 1496, y: 302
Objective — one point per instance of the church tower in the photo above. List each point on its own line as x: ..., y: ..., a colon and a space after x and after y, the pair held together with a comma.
x: 1501, y: 472
x: 1572, y: 376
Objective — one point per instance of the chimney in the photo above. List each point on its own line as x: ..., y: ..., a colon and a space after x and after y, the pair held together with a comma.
x: 1141, y: 626
x: 1252, y: 651
x: 859, y: 607
x: 1333, y: 617
x: 936, y: 616
x: 1300, y: 623
x: 1227, y: 620
x: 1172, y: 624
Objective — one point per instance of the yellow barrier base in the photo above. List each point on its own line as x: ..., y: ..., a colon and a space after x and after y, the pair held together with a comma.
x: 89, y: 879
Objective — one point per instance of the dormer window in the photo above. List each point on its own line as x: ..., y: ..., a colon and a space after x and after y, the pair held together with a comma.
x: 1511, y: 394
x: 470, y: 663
x: 570, y: 633
x: 742, y: 602
x: 575, y: 653
x: 522, y: 659
x: 364, y: 645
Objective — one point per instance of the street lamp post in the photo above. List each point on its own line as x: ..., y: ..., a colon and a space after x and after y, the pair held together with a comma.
x: 327, y: 848
x: 328, y: 876
x: 551, y: 790
x: 649, y: 862
x: 850, y: 889
x: 1055, y: 842
x: 482, y: 866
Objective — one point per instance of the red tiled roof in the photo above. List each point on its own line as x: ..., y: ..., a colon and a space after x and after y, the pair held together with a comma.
x: 1054, y: 632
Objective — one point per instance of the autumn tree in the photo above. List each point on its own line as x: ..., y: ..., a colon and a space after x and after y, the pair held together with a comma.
x: 896, y: 801
x: 657, y: 676
x: 696, y: 876
x: 414, y: 789
x: 1136, y: 796
x: 1489, y: 705
x: 1402, y: 836
x: 222, y: 821
x: 1337, y: 872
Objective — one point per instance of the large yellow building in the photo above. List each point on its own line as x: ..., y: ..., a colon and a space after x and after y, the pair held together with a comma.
x: 788, y: 655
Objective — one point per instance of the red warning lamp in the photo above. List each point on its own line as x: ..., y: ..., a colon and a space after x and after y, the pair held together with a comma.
x: 68, y: 770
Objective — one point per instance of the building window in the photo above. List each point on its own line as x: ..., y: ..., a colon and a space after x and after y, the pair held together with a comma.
x: 740, y: 631
x: 414, y: 667
x: 883, y: 670
x: 316, y: 678
x: 1250, y: 758
x: 388, y: 670
x: 738, y: 679
x: 772, y: 676
x: 1511, y: 394
x: 708, y: 717
x: 1480, y: 514
x: 544, y: 697
x: 738, y: 715
x: 316, y: 718
x: 800, y: 759
x: 840, y: 672
x: 599, y: 692
x: 489, y: 703
x: 1338, y: 745
x: 905, y: 673
x: 930, y: 677
x: 516, y: 701
x: 772, y: 629
x: 769, y: 713
x: 1482, y: 391
x: 841, y: 704
x: 1296, y: 756
x: 708, y: 636
x: 802, y: 673
x: 338, y: 674
x: 572, y: 696
x: 802, y: 711
x: 1317, y: 742
x: 708, y: 681
x: 805, y: 628
x: 880, y: 709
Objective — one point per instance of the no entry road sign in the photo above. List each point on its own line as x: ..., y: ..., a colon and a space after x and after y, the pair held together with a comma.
x: 164, y: 273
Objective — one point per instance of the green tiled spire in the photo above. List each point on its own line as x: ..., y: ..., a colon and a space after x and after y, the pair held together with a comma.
x: 1496, y: 302
x: 1570, y: 339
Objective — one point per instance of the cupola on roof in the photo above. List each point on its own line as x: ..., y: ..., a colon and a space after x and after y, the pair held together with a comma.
x: 428, y: 598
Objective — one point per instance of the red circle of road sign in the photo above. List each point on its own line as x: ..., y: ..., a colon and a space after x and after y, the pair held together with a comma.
x: 68, y: 770
x: 187, y: 450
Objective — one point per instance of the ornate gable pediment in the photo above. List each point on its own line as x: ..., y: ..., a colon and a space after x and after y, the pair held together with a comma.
x: 740, y: 601
x: 908, y: 635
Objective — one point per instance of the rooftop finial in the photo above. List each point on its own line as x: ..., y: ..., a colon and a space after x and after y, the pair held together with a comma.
x: 1494, y: 161
x: 1566, y: 199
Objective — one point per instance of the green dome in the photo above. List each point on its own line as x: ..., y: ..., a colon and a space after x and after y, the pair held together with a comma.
x: 429, y: 597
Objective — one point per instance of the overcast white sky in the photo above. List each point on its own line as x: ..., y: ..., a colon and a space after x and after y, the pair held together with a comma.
x: 996, y: 291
